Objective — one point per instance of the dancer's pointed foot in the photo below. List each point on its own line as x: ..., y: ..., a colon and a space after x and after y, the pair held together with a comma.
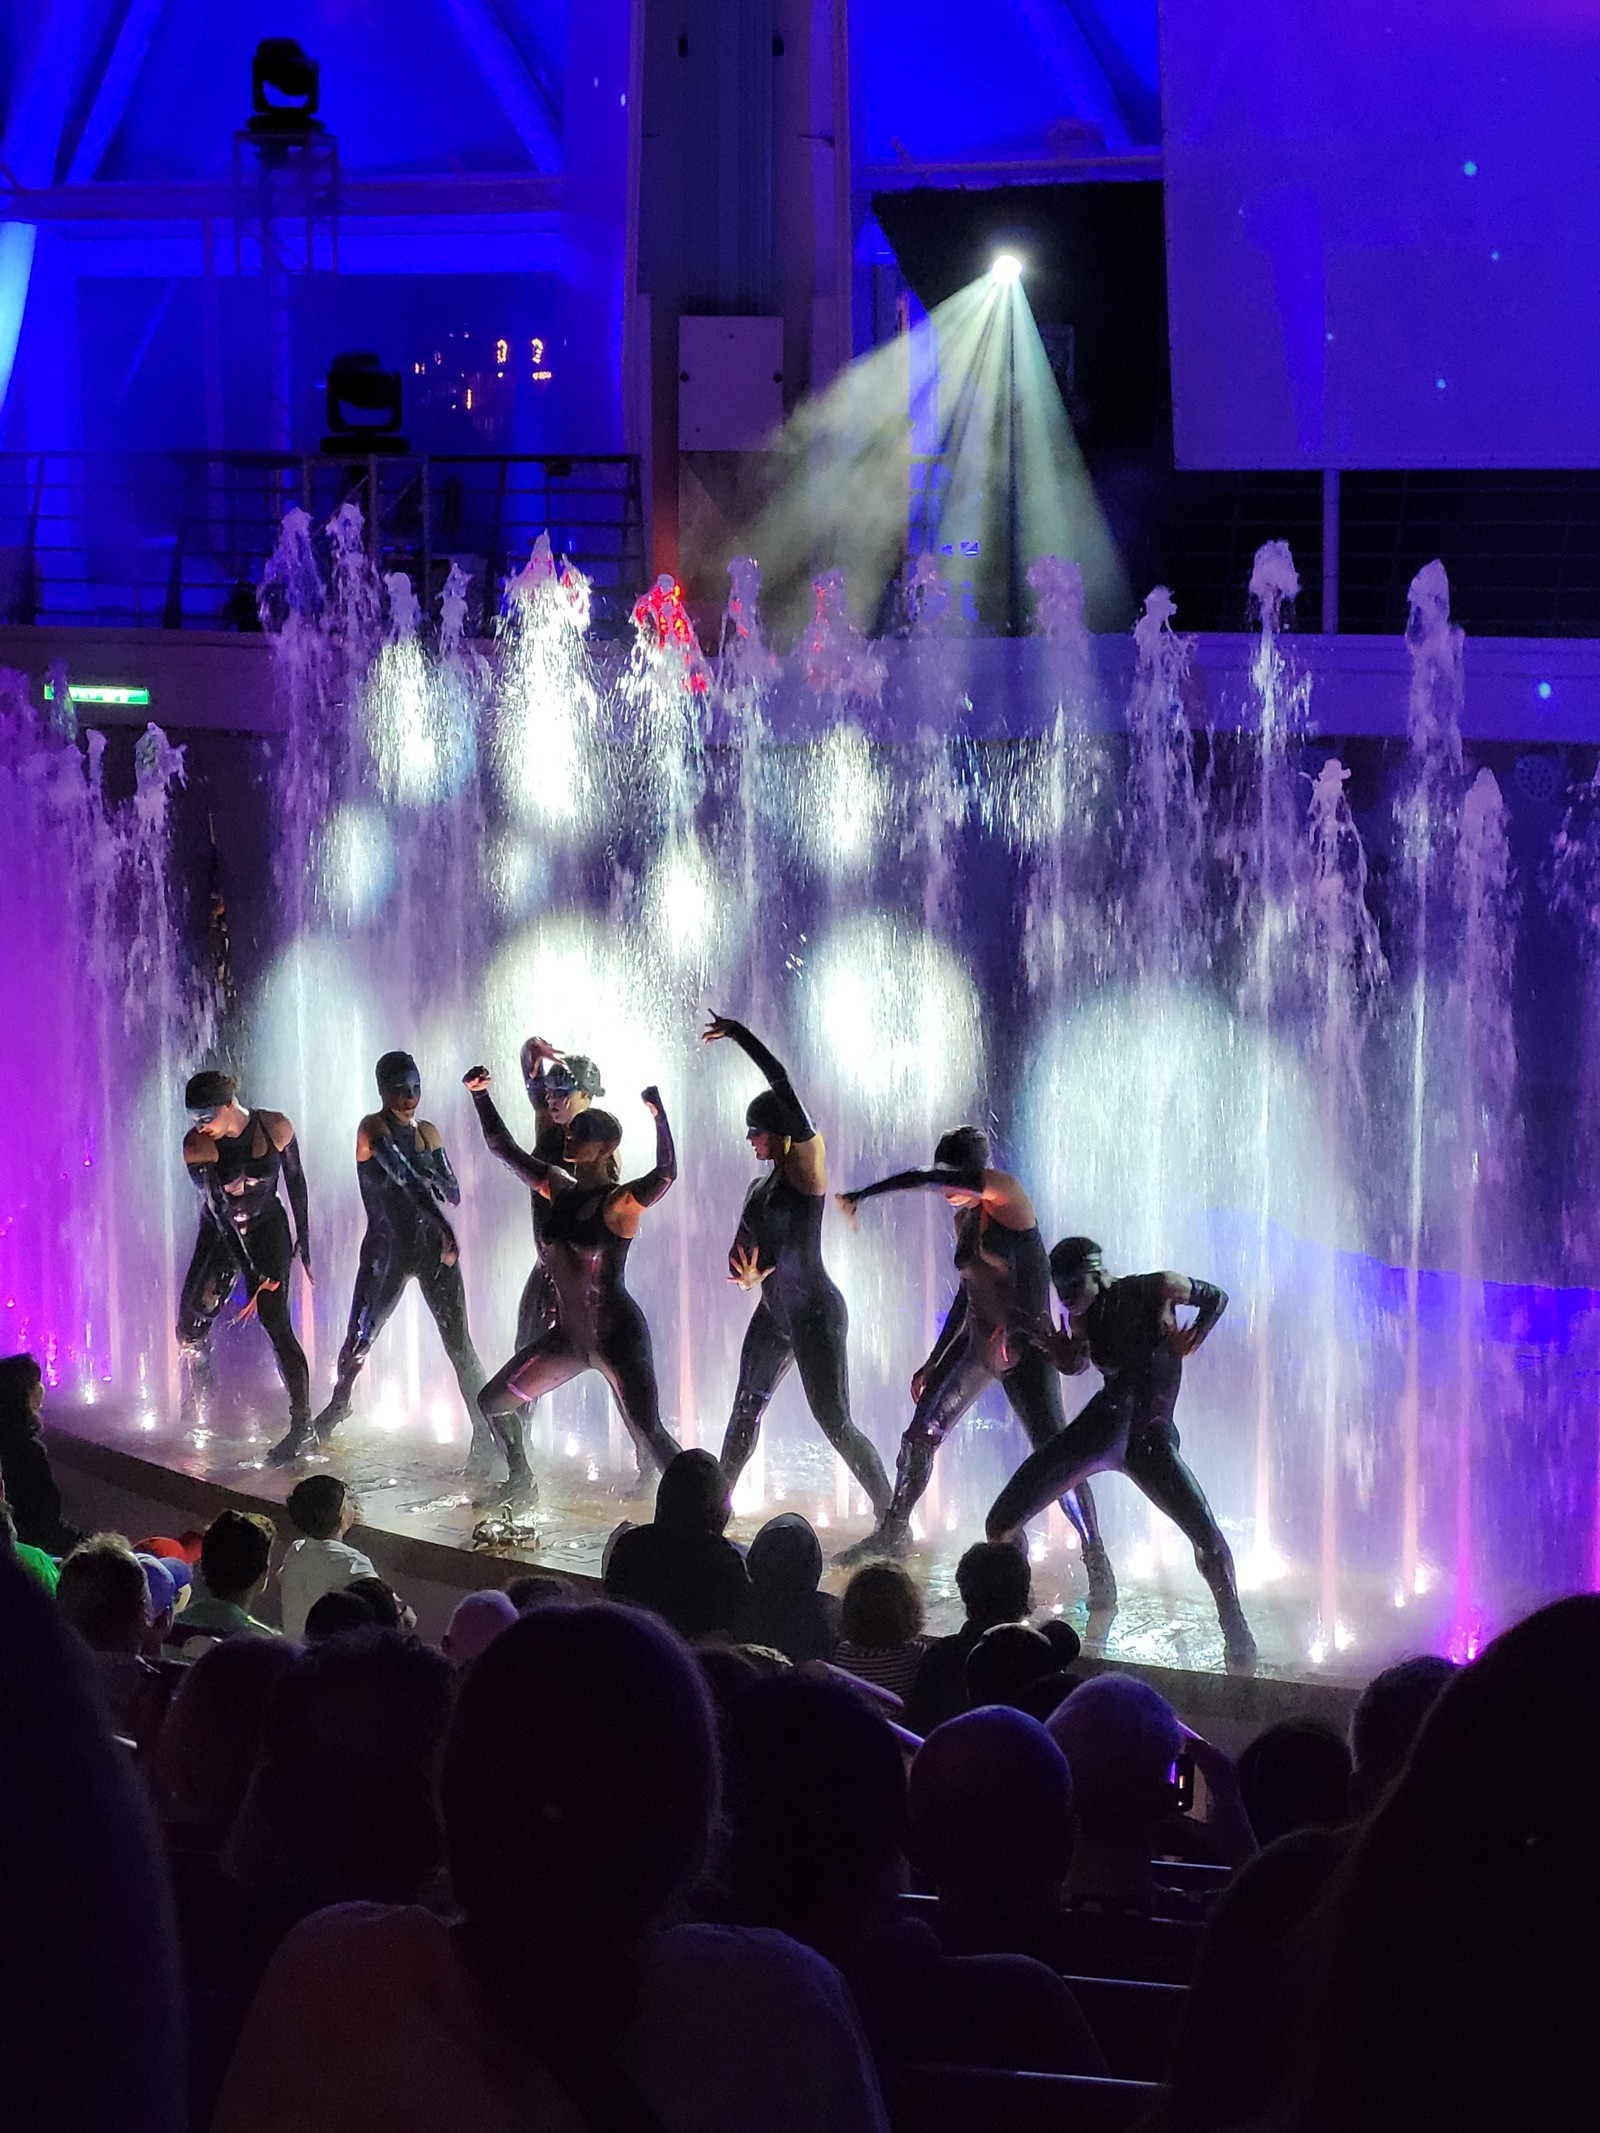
x: 302, y: 1438
x: 891, y: 1538
x: 1102, y: 1579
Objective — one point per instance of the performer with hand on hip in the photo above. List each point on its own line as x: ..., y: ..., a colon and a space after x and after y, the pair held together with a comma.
x: 1129, y: 1330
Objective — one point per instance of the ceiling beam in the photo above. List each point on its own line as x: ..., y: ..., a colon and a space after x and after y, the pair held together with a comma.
x: 115, y: 89
x: 520, y: 95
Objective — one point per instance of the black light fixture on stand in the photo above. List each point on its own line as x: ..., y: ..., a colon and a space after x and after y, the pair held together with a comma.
x: 285, y: 88
x: 363, y: 407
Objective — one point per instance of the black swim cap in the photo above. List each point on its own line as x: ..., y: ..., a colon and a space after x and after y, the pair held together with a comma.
x: 963, y: 1148
x: 1068, y: 1260
x: 574, y: 1072
x: 594, y: 1127
x: 208, y: 1090
x: 395, y: 1069
x: 767, y: 1113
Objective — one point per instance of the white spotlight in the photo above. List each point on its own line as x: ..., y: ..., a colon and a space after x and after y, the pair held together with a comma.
x: 1006, y: 267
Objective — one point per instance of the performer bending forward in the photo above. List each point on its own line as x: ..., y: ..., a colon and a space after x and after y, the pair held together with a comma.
x: 992, y: 1331
x: 1129, y: 1330
x: 235, y: 1158
x: 406, y: 1181
x: 800, y: 1317
x: 593, y: 1219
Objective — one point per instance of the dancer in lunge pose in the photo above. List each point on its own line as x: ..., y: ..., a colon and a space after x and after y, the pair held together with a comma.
x: 591, y: 1223
x: 995, y: 1330
x: 1129, y: 1330
x: 235, y: 1158
x: 800, y: 1318
x: 406, y: 1182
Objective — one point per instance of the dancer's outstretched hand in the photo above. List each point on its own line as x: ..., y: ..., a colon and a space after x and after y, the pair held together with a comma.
x: 717, y: 1027
x: 744, y: 1268
x: 651, y: 1099
x: 919, y: 1383
x: 538, y: 1048
x: 476, y: 1079
x: 846, y: 1204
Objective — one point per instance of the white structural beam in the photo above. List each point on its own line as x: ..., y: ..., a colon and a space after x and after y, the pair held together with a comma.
x: 518, y: 94
x: 115, y: 90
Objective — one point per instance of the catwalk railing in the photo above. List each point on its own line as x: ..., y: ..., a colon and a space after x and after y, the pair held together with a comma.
x: 175, y: 540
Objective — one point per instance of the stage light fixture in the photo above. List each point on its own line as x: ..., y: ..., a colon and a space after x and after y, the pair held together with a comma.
x: 1006, y: 267
x: 363, y: 405
x: 285, y: 88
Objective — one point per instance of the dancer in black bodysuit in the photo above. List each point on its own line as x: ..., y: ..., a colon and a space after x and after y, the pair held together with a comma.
x: 235, y: 1158
x: 592, y: 1221
x: 1129, y: 1330
x: 992, y: 1331
x: 800, y: 1317
x: 406, y: 1180
x: 559, y: 1086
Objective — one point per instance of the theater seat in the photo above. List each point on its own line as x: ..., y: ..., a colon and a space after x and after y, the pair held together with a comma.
x: 976, y: 2099
x: 1134, y: 2024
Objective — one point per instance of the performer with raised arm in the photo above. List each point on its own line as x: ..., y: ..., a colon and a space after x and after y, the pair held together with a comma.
x: 996, y: 1330
x: 406, y: 1183
x: 1129, y: 1330
x: 592, y: 1221
x: 559, y: 1086
x: 800, y: 1318
x: 236, y: 1158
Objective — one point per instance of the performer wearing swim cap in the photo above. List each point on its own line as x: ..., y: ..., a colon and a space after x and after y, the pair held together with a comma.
x: 406, y: 1180
x: 992, y: 1332
x: 800, y: 1317
x: 235, y: 1159
x: 1129, y: 1330
x: 592, y: 1221
x: 559, y: 1086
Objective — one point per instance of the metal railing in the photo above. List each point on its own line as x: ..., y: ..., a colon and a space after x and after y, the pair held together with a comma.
x: 176, y: 540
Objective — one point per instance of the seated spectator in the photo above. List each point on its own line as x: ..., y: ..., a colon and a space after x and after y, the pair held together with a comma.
x: 233, y: 1575
x: 336, y: 1614
x: 995, y: 1585
x: 881, y: 1621
x: 478, y: 1619
x: 991, y: 1817
x: 342, y: 1804
x: 91, y: 2018
x: 169, y: 1583
x: 43, y: 1569
x: 1386, y: 1720
x: 1253, y: 1973
x: 389, y: 1611
x: 321, y: 1511
x: 534, y: 1589
x: 1018, y: 1665
x: 26, y: 1478
x: 1122, y: 1741
x: 1461, y: 1966
x: 104, y: 1594
x: 562, y: 1998
x: 784, y: 1608
x: 1295, y: 1775
x: 817, y: 1818
x: 682, y: 1567
x: 210, y: 1742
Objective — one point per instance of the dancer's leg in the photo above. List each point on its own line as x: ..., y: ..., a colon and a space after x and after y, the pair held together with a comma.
x: 550, y: 1362
x: 1154, y: 1464
x: 1033, y: 1386
x: 821, y: 1333
x: 627, y: 1360
x: 381, y: 1275
x: 207, y: 1285
x: 945, y: 1399
x: 764, y: 1362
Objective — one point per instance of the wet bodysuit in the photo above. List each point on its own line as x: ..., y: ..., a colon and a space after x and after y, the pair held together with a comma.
x: 403, y: 1187
x: 599, y: 1325
x: 987, y: 1337
x: 1128, y: 1428
x: 800, y: 1317
x: 244, y: 1231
